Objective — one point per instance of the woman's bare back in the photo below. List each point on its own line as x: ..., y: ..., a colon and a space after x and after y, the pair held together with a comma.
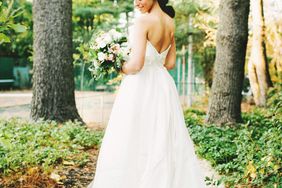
x: 156, y: 27
x: 160, y: 31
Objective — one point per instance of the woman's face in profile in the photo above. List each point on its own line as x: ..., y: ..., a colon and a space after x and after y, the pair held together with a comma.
x: 144, y: 5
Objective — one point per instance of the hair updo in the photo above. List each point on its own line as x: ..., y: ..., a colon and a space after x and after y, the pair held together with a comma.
x: 167, y: 9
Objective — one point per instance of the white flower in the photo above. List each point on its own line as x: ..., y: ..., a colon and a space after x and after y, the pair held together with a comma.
x: 101, y: 56
x: 112, y: 31
x: 98, y: 40
x: 116, y: 35
x: 102, y: 44
x: 107, y: 38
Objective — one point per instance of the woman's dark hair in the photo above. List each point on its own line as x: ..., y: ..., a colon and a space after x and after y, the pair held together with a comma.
x: 167, y: 9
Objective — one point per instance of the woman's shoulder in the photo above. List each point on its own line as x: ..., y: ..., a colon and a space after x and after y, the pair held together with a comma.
x: 146, y: 21
x: 142, y: 22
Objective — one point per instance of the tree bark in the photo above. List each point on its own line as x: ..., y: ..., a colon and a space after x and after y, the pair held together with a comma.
x: 53, y: 78
x: 258, y: 70
x: 231, y: 41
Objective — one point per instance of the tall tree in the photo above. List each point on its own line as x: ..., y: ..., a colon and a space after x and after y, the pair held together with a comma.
x: 53, y: 79
x: 258, y: 70
x: 231, y: 42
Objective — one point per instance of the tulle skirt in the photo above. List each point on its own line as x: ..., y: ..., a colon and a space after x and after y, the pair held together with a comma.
x: 146, y: 143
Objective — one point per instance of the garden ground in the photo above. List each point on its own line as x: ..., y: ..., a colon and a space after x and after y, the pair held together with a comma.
x: 94, y: 108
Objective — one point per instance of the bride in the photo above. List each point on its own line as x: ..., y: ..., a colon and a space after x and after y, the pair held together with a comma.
x: 146, y: 143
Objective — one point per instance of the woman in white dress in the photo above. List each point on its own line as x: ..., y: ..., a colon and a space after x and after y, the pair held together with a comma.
x: 146, y: 143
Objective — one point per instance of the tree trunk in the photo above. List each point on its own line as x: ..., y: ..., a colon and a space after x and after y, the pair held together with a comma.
x: 53, y: 77
x: 258, y: 66
x: 231, y: 42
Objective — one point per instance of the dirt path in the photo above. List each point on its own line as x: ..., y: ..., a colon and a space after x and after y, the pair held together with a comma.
x: 93, y: 107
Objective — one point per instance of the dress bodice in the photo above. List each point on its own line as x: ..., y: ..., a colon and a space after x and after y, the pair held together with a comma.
x: 153, y: 57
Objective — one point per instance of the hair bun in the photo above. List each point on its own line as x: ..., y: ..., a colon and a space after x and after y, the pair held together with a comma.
x: 169, y: 10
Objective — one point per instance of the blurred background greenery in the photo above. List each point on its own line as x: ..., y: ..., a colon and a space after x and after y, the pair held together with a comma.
x: 90, y: 16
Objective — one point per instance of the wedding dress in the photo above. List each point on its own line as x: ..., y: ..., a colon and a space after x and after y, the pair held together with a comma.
x: 146, y: 143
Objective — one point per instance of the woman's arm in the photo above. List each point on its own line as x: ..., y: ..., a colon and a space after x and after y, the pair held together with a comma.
x: 171, y: 56
x: 130, y: 68
x: 138, y: 47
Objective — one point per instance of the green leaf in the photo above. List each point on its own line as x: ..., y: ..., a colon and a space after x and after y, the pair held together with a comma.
x: 17, y: 12
x: 4, y: 38
x: 76, y: 56
x: 3, y: 18
x: 3, y: 28
x: 18, y: 28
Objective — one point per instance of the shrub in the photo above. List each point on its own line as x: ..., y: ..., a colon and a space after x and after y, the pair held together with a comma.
x: 24, y: 144
x: 247, y: 155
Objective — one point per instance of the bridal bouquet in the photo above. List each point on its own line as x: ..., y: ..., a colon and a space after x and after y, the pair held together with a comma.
x: 107, y: 52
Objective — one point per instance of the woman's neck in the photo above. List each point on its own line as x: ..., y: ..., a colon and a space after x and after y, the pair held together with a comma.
x: 156, y: 9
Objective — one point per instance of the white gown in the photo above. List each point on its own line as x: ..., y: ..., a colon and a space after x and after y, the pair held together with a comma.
x: 146, y: 143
